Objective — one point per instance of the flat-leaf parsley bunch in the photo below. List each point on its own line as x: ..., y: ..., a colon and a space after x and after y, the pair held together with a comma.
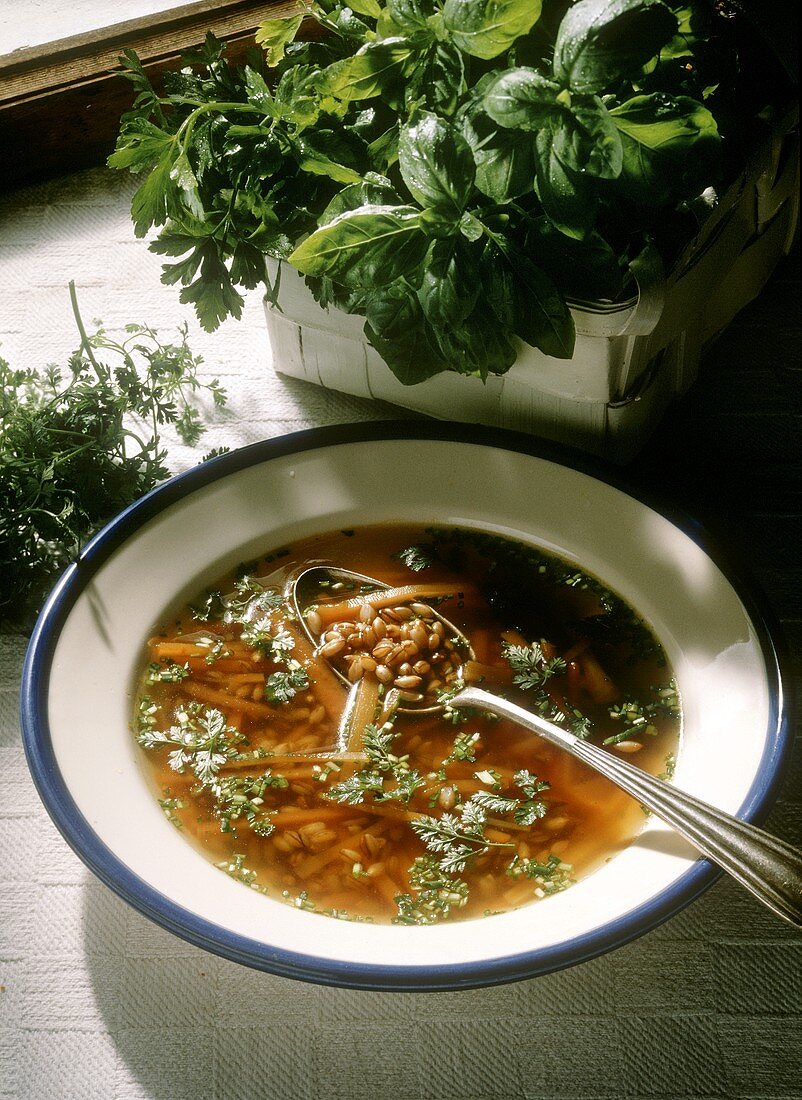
x: 79, y: 444
x: 452, y: 170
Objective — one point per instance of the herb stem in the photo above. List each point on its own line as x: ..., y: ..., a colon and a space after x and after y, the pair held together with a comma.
x: 85, y: 342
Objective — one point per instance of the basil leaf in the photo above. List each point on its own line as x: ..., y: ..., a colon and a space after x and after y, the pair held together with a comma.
x: 410, y: 15
x: 544, y: 319
x: 486, y: 28
x: 274, y: 35
x: 526, y: 301
x: 587, y: 270
x: 600, y: 42
x: 396, y: 327
x: 436, y: 164
x: 586, y: 139
x: 373, y: 190
x: 370, y: 8
x: 369, y: 72
x: 522, y: 99
x: 373, y: 245
x: 669, y: 147
x: 449, y: 285
x: 504, y: 159
x: 478, y: 347
x: 565, y: 196
x: 438, y: 79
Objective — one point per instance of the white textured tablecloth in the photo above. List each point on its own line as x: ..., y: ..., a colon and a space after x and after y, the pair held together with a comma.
x: 98, y: 1003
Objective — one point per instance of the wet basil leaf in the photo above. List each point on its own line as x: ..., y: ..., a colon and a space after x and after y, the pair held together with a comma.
x: 450, y: 285
x: 522, y: 99
x: 567, y: 197
x: 478, y: 346
x: 486, y: 28
x: 396, y: 327
x: 373, y: 190
x: 600, y: 42
x: 370, y: 72
x: 438, y: 79
x: 542, y: 318
x: 370, y: 246
x: 586, y: 138
x: 585, y: 270
x: 670, y: 147
x: 410, y: 15
x: 436, y: 164
x: 504, y: 159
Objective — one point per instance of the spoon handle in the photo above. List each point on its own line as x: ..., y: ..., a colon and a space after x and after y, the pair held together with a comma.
x: 769, y: 868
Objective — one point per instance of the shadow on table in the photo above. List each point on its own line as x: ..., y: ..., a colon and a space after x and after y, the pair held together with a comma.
x: 185, y: 1024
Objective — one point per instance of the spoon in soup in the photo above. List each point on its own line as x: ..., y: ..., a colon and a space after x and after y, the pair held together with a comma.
x: 769, y: 868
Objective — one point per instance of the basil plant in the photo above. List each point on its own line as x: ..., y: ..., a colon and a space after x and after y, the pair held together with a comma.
x: 454, y: 171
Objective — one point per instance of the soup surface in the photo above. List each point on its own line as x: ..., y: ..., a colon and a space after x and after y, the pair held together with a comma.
x: 364, y: 796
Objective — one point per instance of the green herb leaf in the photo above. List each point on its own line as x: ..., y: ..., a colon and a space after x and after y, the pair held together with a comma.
x: 436, y: 164
x: 274, y: 35
x: 370, y: 72
x: 504, y: 158
x: 397, y: 328
x: 522, y: 99
x: 486, y: 28
x: 670, y: 147
x: 602, y: 41
x: 450, y: 285
x: 370, y: 246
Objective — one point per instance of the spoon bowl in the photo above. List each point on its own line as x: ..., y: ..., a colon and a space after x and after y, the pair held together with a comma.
x: 306, y: 590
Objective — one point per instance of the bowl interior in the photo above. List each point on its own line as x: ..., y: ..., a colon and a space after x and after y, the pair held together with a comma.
x: 89, y: 646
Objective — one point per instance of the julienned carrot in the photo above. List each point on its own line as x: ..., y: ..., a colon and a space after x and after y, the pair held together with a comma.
x: 288, y: 759
x: 474, y: 671
x: 597, y: 683
x: 176, y: 651
x: 348, y: 610
x: 219, y: 667
x: 227, y: 702
x: 328, y: 688
x: 312, y: 864
x: 360, y: 710
x: 385, y: 886
x: 293, y: 818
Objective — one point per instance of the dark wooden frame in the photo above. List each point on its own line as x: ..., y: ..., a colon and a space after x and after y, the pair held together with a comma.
x: 60, y: 104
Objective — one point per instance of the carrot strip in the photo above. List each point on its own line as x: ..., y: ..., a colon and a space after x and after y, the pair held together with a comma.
x: 291, y: 817
x: 287, y: 759
x: 474, y: 671
x: 596, y: 681
x: 385, y: 886
x: 360, y: 711
x: 348, y: 610
x: 327, y: 687
x: 223, y: 699
x: 312, y: 864
x: 176, y: 651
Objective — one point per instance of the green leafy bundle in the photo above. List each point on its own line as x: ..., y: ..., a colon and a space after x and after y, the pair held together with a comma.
x: 78, y: 445
x: 452, y: 170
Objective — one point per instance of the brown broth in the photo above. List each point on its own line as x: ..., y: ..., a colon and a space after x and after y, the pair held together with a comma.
x: 354, y: 860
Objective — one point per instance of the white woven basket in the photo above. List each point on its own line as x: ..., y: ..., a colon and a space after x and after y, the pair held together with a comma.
x: 630, y: 358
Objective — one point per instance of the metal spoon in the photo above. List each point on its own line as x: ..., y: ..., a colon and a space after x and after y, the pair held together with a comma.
x: 303, y: 589
x: 767, y: 867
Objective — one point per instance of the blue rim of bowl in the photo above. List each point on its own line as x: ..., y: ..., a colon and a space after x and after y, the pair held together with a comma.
x: 189, y: 926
